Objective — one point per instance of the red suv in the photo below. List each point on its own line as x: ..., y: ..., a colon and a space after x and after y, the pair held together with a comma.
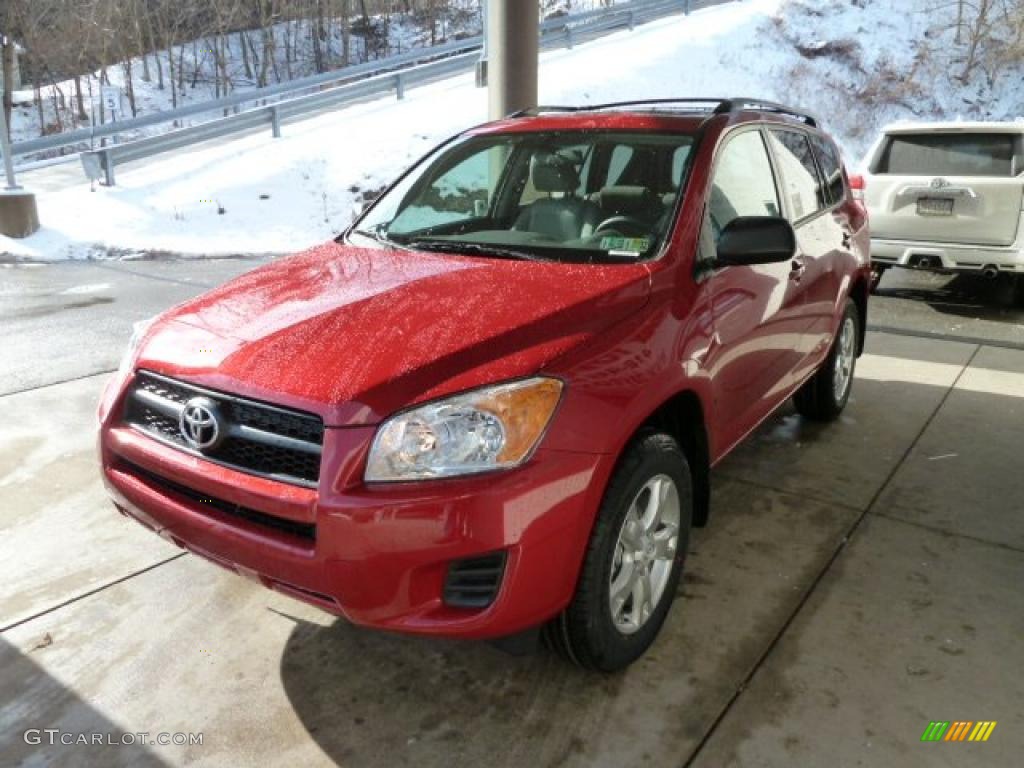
x: 493, y: 404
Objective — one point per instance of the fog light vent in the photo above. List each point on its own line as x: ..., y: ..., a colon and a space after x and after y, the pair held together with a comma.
x: 474, y: 582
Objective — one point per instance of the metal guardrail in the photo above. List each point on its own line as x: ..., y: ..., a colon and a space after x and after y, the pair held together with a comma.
x: 101, y: 163
x: 340, y: 87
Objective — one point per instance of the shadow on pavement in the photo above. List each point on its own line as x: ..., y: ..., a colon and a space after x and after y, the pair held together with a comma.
x: 373, y: 699
x: 34, y: 699
x: 962, y: 295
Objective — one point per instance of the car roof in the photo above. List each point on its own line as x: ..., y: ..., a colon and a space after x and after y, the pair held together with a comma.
x: 684, y: 115
x: 596, y: 121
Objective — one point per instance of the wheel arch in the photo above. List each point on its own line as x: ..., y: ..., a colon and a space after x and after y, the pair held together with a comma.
x: 683, y: 417
x: 859, y: 295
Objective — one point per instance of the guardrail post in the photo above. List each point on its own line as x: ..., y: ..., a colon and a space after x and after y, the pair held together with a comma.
x: 108, y: 167
x: 568, y: 37
x: 275, y: 121
x: 632, y: 20
x: 686, y: 7
x: 400, y: 86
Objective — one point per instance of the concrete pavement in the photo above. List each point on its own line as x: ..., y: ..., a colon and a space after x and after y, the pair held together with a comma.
x: 964, y: 306
x: 856, y: 581
x: 72, y: 319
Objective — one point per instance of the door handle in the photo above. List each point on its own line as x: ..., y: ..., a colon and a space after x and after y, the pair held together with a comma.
x: 797, y: 268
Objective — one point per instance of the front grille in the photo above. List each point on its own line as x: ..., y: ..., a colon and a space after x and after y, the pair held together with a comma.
x: 474, y: 583
x: 260, y: 439
x: 305, y: 531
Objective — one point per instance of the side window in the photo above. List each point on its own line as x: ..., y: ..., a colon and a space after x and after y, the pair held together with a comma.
x: 744, y: 184
x: 462, y: 192
x: 679, y: 158
x: 618, y: 163
x: 801, y: 184
x: 588, y: 161
x: 831, y: 168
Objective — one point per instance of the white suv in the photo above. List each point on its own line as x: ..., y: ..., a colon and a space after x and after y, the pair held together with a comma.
x: 947, y: 197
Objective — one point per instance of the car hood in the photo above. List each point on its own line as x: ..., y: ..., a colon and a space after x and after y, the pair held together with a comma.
x: 355, y: 334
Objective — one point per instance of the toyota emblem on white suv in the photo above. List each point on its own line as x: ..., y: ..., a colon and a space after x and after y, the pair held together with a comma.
x: 200, y: 423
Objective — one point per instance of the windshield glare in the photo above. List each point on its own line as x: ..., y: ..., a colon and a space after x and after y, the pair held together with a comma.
x: 569, y: 196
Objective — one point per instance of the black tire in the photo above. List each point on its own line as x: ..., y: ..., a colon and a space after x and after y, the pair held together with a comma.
x: 1018, y: 290
x: 586, y: 633
x: 876, y: 277
x: 817, y: 399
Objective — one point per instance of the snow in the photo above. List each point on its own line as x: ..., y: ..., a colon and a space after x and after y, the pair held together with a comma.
x: 862, y: 64
x: 195, y: 65
x: 325, y: 167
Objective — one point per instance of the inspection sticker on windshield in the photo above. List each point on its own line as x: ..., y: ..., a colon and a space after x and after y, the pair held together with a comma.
x: 626, y: 245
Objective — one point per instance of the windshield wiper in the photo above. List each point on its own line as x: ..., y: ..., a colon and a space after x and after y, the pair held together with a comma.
x: 461, y: 246
x: 379, y: 237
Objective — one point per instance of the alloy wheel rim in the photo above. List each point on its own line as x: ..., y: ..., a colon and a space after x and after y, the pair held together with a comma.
x: 644, y: 554
x: 845, y: 355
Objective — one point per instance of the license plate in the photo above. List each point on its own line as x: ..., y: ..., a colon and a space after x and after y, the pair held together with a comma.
x: 934, y: 206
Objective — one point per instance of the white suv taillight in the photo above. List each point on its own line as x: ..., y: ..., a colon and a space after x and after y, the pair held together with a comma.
x: 857, y: 187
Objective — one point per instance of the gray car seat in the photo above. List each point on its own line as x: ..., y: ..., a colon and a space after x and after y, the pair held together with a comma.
x: 567, y: 217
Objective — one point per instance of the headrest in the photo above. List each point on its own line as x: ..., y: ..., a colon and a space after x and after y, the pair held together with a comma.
x: 623, y: 199
x: 554, y: 173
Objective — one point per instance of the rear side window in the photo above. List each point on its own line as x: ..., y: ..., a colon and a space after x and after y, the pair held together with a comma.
x: 831, y: 168
x: 621, y: 156
x: 803, y: 188
x: 951, y: 154
x: 679, y: 158
x: 744, y: 184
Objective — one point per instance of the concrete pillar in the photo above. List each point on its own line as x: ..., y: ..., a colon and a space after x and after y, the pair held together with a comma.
x: 18, y: 214
x: 481, y: 65
x: 513, y: 30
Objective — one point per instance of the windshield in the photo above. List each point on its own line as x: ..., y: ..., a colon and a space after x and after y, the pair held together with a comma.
x: 566, y: 196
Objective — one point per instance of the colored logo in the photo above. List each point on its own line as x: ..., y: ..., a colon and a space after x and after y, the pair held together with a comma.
x: 959, y: 730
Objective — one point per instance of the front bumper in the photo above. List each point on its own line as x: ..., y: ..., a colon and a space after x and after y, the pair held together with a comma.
x: 945, y: 256
x: 377, y: 555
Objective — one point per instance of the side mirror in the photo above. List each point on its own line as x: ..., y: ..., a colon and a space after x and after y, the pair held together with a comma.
x: 751, y: 240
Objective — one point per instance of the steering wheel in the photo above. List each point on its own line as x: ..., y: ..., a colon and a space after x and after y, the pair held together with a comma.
x: 624, y: 225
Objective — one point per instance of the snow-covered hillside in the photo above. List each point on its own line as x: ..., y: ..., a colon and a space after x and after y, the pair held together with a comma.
x: 863, y: 63
x: 207, y: 68
x: 837, y: 58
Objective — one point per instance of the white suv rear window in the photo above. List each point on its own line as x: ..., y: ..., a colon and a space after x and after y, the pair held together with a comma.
x: 944, y: 154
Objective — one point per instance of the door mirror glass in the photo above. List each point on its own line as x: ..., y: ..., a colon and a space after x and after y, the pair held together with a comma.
x: 749, y: 240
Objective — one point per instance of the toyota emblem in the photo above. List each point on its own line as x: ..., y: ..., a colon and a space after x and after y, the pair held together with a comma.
x: 939, y: 183
x: 200, y: 423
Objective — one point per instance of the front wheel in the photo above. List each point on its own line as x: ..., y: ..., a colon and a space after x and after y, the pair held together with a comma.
x: 825, y: 394
x: 635, y: 558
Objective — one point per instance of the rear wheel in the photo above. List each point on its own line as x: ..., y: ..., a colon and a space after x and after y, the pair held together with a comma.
x: 634, y: 560
x: 1018, y: 290
x: 877, y: 270
x: 826, y: 393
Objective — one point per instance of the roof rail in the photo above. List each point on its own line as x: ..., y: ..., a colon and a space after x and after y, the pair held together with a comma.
x: 737, y: 104
x: 714, y: 106
x: 693, y: 103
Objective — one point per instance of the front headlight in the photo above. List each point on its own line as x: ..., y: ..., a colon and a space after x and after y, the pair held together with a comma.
x: 138, y: 332
x: 492, y: 428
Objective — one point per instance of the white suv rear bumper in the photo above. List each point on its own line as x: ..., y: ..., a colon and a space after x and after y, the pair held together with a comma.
x: 945, y: 256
